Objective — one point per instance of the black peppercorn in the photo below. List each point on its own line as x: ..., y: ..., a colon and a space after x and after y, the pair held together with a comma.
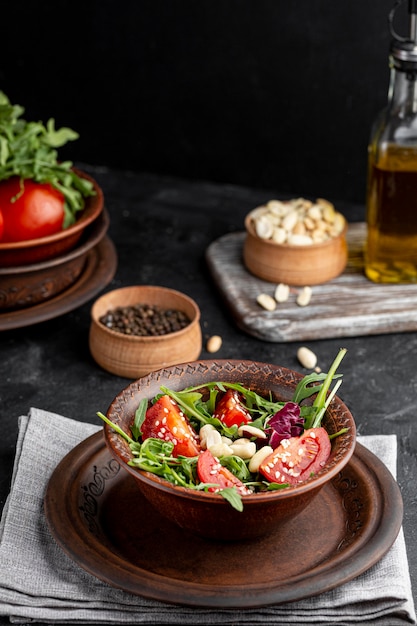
x: 144, y: 320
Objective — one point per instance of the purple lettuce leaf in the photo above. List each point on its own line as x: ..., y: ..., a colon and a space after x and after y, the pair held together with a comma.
x: 286, y: 423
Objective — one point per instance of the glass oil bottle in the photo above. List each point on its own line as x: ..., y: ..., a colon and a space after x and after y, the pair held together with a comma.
x: 391, y: 203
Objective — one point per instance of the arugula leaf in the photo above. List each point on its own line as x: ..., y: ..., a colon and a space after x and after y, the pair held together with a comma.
x: 233, y: 497
x: 140, y: 415
x: 322, y: 401
x: 116, y: 428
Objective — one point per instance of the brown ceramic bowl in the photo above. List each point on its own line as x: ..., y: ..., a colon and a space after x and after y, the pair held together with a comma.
x: 296, y: 265
x: 132, y: 356
x: 208, y: 514
x: 28, y: 285
x: 36, y: 250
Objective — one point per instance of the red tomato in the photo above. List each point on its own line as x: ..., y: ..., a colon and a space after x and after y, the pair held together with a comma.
x: 297, y: 458
x: 38, y: 211
x: 230, y: 409
x: 1, y: 225
x: 165, y: 420
x: 210, y: 470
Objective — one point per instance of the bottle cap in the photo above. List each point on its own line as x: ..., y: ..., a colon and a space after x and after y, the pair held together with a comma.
x: 404, y: 49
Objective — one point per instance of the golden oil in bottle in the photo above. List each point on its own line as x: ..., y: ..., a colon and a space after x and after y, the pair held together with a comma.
x: 391, y: 253
x: 391, y: 248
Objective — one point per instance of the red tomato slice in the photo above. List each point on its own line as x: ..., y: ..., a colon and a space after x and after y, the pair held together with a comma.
x: 165, y: 420
x: 37, y: 212
x: 1, y: 225
x: 210, y: 470
x: 230, y: 409
x: 297, y: 458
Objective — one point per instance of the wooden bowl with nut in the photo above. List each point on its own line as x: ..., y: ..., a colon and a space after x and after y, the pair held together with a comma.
x: 136, y: 330
x: 296, y: 242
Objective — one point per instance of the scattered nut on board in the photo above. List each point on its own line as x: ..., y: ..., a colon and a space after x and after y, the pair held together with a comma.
x: 282, y: 292
x: 304, y: 297
x: 307, y: 358
x: 214, y: 343
x: 266, y: 301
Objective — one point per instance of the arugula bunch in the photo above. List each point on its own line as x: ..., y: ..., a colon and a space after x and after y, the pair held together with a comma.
x: 29, y: 150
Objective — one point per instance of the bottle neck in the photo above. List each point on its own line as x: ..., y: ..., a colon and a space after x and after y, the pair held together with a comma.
x: 403, y: 92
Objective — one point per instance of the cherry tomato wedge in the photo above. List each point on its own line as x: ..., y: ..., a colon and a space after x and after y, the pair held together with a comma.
x: 297, y: 458
x: 37, y: 212
x: 165, y: 420
x: 230, y: 409
x: 210, y: 470
x: 1, y: 225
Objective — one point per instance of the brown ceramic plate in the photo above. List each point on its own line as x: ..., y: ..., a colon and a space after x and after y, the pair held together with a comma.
x: 28, y: 285
x: 100, y: 267
x: 98, y: 516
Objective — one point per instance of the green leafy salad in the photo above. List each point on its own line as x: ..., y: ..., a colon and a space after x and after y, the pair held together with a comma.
x: 222, y: 437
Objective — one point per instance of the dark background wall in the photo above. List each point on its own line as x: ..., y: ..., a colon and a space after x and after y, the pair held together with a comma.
x: 278, y: 94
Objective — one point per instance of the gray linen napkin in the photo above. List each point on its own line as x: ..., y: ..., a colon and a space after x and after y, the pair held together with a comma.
x: 30, y: 590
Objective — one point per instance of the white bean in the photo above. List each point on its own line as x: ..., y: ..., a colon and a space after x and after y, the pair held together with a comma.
x: 266, y: 301
x: 304, y: 297
x: 290, y: 220
x: 264, y: 228
x: 282, y: 292
x: 221, y: 449
x: 213, y: 439
x: 259, y: 457
x: 204, y: 432
x: 244, y: 448
x: 214, y: 343
x: 307, y: 357
x: 250, y: 431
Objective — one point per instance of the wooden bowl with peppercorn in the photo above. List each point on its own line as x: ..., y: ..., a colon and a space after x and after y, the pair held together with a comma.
x: 139, y: 329
x: 296, y: 242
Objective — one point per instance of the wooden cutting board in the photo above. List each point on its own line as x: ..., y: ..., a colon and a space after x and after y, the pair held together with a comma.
x: 347, y: 306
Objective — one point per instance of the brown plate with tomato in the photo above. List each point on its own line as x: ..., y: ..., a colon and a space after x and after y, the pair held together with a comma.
x: 98, y: 516
x: 35, y: 222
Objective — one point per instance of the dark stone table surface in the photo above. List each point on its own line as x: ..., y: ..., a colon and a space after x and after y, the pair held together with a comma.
x: 161, y: 227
